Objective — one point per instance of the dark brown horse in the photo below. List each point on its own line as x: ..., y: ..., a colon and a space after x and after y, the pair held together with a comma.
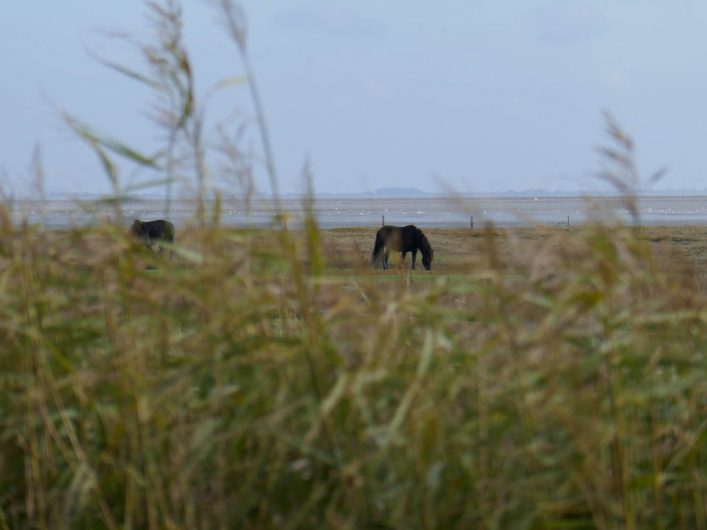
x: 402, y: 239
x: 153, y: 231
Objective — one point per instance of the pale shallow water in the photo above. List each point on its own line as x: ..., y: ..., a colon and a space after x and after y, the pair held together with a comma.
x: 351, y: 212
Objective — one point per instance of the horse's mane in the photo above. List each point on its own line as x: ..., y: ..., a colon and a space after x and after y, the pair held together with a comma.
x: 424, y: 243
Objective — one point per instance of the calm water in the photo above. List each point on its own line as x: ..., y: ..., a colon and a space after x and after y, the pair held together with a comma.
x: 347, y: 212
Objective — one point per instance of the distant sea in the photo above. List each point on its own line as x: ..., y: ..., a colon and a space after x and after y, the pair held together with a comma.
x: 331, y: 212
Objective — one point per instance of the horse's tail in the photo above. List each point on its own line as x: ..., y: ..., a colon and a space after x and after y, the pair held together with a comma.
x: 377, y: 247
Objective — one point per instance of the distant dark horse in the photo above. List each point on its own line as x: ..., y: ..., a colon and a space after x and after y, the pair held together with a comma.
x: 153, y: 231
x: 402, y: 239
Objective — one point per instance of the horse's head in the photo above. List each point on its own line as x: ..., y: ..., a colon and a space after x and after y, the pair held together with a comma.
x: 427, y: 253
x: 427, y: 259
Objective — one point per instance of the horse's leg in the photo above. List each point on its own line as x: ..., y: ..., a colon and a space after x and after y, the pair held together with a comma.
x: 385, y: 259
x: 414, y: 257
x: 402, y: 261
x: 377, y: 250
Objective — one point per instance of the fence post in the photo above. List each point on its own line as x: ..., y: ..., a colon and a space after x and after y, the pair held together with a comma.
x: 568, y: 221
x: 471, y: 221
x: 383, y: 220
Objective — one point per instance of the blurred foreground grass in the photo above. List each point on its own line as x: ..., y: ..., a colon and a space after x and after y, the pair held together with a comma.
x: 536, y: 378
x: 541, y: 378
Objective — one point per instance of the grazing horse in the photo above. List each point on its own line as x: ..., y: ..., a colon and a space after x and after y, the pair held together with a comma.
x: 402, y: 239
x: 153, y: 231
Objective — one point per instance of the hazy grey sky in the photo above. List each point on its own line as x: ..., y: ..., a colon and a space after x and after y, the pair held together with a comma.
x: 480, y: 94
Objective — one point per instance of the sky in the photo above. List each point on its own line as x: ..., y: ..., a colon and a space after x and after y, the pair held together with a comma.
x: 463, y: 95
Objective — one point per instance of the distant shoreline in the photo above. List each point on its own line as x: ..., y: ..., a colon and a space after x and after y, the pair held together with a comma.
x: 346, y: 211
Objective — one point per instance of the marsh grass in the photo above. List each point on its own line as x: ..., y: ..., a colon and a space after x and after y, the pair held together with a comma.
x: 537, y: 378
x: 235, y: 386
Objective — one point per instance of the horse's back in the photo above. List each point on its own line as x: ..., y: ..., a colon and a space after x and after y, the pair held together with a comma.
x: 410, y: 232
x: 391, y: 236
x: 158, y: 229
x: 385, y: 230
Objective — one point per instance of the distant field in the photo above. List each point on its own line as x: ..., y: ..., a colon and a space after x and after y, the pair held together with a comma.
x: 459, y: 251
